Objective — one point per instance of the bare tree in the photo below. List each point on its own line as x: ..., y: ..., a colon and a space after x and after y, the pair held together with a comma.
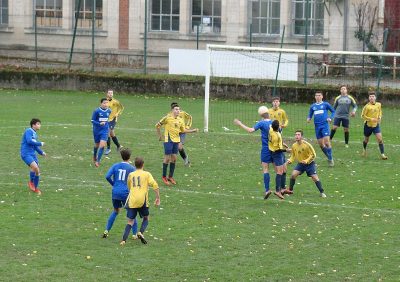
x: 365, y: 13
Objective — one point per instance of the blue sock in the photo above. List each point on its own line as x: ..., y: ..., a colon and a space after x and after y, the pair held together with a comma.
x: 95, y: 152
x: 278, y: 178
x: 31, y: 176
x: 126, y: 232
x: 283, y: 180
x: 329, y: 153
x: 36, y: 181
x: 319, y: 186
x: 266, y: 181
x: 164, y: 169
x: 291, y: 185
x: 134, y: 227
x: 111, y: 220
x: 171, y: 169
x: 143, y: 227
x: 381, y: 148
x: 324, y: 149
x: 100, y: 154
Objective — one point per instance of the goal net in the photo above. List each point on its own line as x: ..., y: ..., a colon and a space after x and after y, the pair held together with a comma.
x: 255, y: 75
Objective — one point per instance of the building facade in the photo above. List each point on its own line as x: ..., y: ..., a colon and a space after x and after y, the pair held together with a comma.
x: 119, y: 26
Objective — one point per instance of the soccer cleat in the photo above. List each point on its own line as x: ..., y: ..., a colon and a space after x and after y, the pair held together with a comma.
x: 384, y: 157
x: 331, y: 163
x: 134, y: 237
x: 94, y: 159
x: 364, y: 153
x: 105, y: 234
x: 37, y: 191
x: 170, y: 179
x: 165, y: 180
x: 120, y: 148
x: 108, y: 151
x: 322, y: 195
x: 267, y: 194
x: 31, y: 186
x: 122, y: 243
x: 187, y: 162
x: 279, y: 195
x: 96, y: 164
x: 286, y: 191
x: 141, y: 237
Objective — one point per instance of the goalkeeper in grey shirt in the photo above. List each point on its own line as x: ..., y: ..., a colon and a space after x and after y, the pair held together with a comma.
x: 343, y: 104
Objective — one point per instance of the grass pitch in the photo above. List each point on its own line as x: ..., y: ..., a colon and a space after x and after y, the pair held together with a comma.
x: 214, y: 225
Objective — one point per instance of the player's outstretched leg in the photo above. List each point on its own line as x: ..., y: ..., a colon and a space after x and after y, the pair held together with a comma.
x: 143, y: 227
x: 108, y: 150
x: 126, y: 233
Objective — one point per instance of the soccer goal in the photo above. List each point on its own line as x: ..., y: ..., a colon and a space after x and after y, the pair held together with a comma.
x: 254, y: 75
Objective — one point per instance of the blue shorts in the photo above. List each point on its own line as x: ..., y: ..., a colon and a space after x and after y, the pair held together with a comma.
x: 278, y: 158
x: 117, y: 204
x: 182, y: 136
x: 131, y: 213
x: 266, y: 156
x: 369, y: 130
x: 308, y: 168
x: 322, y: 130
x: 100, y: 136
x: 28, y: 159
x: 171, y: 148
x: 112, y: 124
x: 344, y: 121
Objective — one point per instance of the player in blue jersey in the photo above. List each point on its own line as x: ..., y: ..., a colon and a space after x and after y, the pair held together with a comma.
x: 100, y: 130
x: 264, y: 126
x: 320, y: 111
x: 29, y: 146
x: 117, y: 176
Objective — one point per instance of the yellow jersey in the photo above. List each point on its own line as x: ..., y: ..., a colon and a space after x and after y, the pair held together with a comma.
x: 187, y: 119
x: 138, y: 185
x: 302, y: 152
x: 172, y: 127
x: 372, y: 111
x: 275, y: 142
x: 115, y: 107
x: 279, y: 115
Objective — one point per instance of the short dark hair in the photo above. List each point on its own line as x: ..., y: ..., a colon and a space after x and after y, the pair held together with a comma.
x: 103, y: 99
x: 173, y: 105
x: 343, y: 85
x: 276, y: 98
x: 319, y: 92
x: 35, y: 121
x: 299, y: 130
x: 125, y: 153
x: 371, y: 93
x: 139, y: 162
x: 275, y: 125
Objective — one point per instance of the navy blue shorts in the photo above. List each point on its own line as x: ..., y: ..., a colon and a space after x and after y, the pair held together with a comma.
x: 131, y: 213
x: 171, y: 148
x: 265, y: 156
x: 308, y: 168
x: 100, y: 136
x: 322, y: 130
x: 344, y: 121
x: 112, y: 124
x: 369, y: 130
x: 117, y: 204
x: 182, y: 136
x: 278, y: 158
x: 28, y: 159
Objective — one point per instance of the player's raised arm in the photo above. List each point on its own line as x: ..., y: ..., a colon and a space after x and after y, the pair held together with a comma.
x: 239, y: 123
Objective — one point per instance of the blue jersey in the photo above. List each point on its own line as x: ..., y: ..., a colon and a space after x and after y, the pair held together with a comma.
x: 117, y: 176
x: 320, y: 112
x: 29, y: 143
x: 100, y: 115
x: 264, y: 126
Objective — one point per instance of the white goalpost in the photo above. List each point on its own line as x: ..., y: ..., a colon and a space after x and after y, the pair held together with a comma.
x: 250, y: 65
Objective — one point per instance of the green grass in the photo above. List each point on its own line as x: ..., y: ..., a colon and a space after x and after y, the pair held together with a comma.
x: 214, y: 225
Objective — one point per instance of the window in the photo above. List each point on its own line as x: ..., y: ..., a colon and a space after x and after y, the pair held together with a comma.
x: 3, y: 12
x: 85, y: 13
x: 265, y: 16
x: 207, y: 15
x: 165, y: 15
x: 49, y: 13
x: 315, y: 17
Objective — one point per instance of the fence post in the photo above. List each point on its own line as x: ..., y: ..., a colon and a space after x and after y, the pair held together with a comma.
x: 385, y: 36
x: 145, y: 39
x: 197, y: 37
x: 279, y: 62
x: 93, y: 24
x: 363, y: 62
x: 251, y: 35
x: 306, y: 43
x: 36, y: 47
x: 73, y: 37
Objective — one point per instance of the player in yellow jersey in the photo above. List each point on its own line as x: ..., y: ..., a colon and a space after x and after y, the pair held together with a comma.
x: 173, y: 126
x: 372, y: 115
x: 116, y: 110
x: 187, y: 120
x: 138, y: 199
x: 304, y: 153
x: 276, y: 113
